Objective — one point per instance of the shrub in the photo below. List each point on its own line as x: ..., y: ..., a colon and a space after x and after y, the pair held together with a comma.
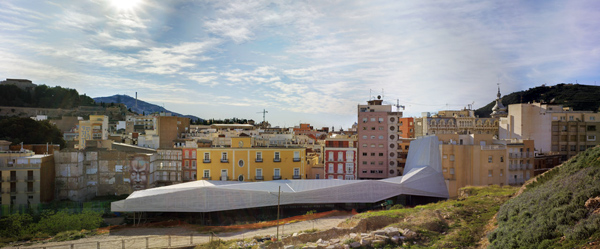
x: 552, y: 207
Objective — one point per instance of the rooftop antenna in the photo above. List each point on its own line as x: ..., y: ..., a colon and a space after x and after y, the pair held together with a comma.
x: 370, y: 94
x: 136, y: 101
x: 382, y: 95
x: 263, y: 112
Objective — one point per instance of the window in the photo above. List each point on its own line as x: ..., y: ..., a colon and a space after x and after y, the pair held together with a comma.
x: 296, y: 171
x: 501, y: 159
x: 445, y: 156
x: 380, y: 128
x: 364, y: 162
x: 364, y: 136
x: 380, y: 120
x: 380, y: 154
x: 206, y: 173
x: 330, y: 168
x: 187, y: 164
x: 380, y: 137
x: 452, y: 171
x: 194, y: 154
x: 349, y: 168
x: 349, y: 156
x: 571, y: 118
x: 241, y: 163
x: 276, y: 157
x: 490, y: 173
x: 364, y: 154
x: 259, y: 156
x: 573, y: 148
x: 592, y: 118
x: 317, y: 176
x: 340, y: 156
x: 489, y: 159
x: 330, y: 156
x: 259, y: 174
x: 591, y: 138
x: 365, y: 120
x: 373, y: 119
x: 224, y: 157
x: 276, y: 172
x: 501, y: 172
x: 340, y: 177
x: 193, y: 164
x: 340, y: 168
x: 296, y: 156
x: 349, y: 177
x: 372, y: 137
x: 452, y: 158
x: 364, y: 145
x: 206, y: 157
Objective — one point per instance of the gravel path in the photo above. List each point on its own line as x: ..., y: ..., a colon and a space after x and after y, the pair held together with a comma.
x: 180, y: 236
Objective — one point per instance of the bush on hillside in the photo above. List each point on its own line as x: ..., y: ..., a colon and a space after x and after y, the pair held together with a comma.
x: 553, y: 207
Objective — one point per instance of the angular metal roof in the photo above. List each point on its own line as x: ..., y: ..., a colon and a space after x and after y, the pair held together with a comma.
x: 420, y: 178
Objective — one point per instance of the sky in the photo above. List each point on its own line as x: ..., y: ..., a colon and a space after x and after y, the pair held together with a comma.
x: 302, y: 61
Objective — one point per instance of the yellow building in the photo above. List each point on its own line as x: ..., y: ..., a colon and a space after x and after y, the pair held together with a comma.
x: 26, y: 179
x: 94, y: 129
x: 242, y: 161
x: 480, y: 160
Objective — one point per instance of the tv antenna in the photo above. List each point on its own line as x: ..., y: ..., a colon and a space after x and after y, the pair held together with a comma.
x: 264, y: 112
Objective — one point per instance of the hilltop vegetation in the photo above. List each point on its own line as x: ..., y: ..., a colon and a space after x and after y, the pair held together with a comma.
x: 29, y: 131
x: 43, y: 96
x: 552, y: 212
x: 579, y: 97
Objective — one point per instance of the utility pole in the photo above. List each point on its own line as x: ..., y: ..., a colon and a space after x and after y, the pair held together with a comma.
x: 278, y: 199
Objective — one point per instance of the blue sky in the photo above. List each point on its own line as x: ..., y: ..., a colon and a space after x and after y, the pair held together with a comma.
x: 303, y: 61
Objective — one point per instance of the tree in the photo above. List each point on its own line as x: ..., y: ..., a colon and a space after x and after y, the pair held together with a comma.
x: 29, y: 131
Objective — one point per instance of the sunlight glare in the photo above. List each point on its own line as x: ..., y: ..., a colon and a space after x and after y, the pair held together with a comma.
x: 125, y: 4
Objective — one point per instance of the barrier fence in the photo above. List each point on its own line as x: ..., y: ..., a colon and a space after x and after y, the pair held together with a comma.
x: 158, y: 241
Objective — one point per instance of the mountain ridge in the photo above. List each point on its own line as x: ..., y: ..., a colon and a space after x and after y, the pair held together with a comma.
x: 142, y: 107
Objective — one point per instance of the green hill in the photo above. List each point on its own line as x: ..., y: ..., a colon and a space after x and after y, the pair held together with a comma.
x: 554, y: 212
x: 43, y: 96
x: 579, y: 97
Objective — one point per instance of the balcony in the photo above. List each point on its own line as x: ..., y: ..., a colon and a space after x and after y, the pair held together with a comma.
x: 277, y: 160
x: 297, y: 177
x: 258, y: 160
x: 276, y: 177
x: 206, y: 161
x: 296, y: 159
x: 11, y: 179
x: 259, y: 178
x: 30, y: 191
x: 224, y: 160
x: 30, y: 179
x: 206, y: 178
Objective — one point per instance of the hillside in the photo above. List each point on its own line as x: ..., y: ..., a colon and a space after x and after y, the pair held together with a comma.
x: 43, y: 96
x: 141, y: 107
x: 559, y: 210
x: 580, y: 97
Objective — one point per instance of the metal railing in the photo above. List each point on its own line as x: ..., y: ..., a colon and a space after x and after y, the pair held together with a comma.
x: 296, y: 177
x: 276, y: 177
x: 277, y: 160
x: 259, y: 178
x: 296, y: 159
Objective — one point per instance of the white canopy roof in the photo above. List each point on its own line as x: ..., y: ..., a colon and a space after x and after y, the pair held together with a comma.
x: 420, y: 178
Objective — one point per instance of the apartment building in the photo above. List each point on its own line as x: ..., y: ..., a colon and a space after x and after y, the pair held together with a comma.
x: 455, y: 122
x: 189, y: 161
x: 377, y: 140
x: 243, y: 161
x: 480, y: 160
x: 168, y: 168
x: 406, y: 133
x: 521, y: 160
x: 340, y: 156
x: 556, y: 130
x: 96, y: 128
x: 26, y: 179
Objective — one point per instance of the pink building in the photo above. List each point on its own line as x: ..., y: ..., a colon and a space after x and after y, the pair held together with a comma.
x: 340, y: 159
x: 377, y: 140
x: 189, y: 164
